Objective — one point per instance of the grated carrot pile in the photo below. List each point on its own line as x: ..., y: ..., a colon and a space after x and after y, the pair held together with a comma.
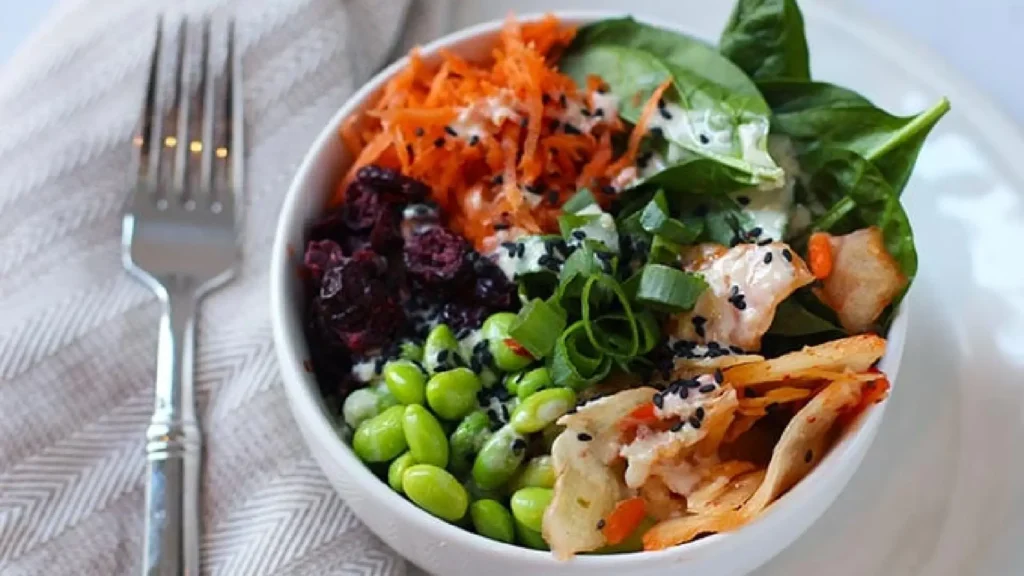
x: 493, y: 141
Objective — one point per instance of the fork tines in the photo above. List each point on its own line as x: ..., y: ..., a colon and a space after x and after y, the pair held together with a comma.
x: 191, y: 127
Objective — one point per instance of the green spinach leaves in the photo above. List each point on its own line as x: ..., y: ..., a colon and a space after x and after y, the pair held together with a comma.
x: 766, y: 39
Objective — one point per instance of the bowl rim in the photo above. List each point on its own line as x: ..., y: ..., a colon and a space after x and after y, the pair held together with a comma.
x: 304, y: 397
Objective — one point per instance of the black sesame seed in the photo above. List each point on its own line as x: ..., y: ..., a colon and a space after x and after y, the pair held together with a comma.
x: 756, y: 231
x: 450, y: 131
x: 555, y: 124
x: 707, y: 388
x: 519, y: 445
x: 740, y: 302
x: 419, y: 132
x: 734, y: 291
x: 677, y: 426
x: 719, y: 376
x: 699, y: 330
x: 553, y: 197
x: 442, y: 356
x: 694, y: 383
x: 658, y: 400
x: 695, y: 422
x: 585, y: 113
x: 477, y: 366
x: 545, y: 99
x: 584, y: 437
x: 808, y: 456
x: 600, y: 524
x: 520, y: 250
x: 570, y: 129
x: 474, y: 140
x: 524, y: 122
x: 743, y: 200
x: 736, y: 349
x: 499, y: 226
x: 698, y: 320
x: 462, y: 333
x: 498, y: 179
x: 599, y: 113
x: 532, y: 189
x: 768, y: 258
x: 643, y: 159
x: 579, y: 234
x: 699, y: 412
x: 787, y: 254
x: 504, y: 412
x: 657, y: 132
x: 704, y: 139
x: 665, y: 113
x: 563, y: 101
x: 734, y: 242
x: 765, y: 242
x: 439, y: 142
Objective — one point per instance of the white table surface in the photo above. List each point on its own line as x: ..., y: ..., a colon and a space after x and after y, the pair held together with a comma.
x: 982, y: 39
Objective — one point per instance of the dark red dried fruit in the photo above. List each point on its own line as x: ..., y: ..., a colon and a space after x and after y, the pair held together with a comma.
x: 363, y: 207
x: 491, y: 286
x: 392, y: 183
x: 355, y: 308
x: 322, y: 255
x: 436, y: 257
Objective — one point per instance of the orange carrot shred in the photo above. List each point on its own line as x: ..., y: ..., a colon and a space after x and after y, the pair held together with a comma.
x: 640, y: 130
x: 819, y: 255
x: 624, y: 519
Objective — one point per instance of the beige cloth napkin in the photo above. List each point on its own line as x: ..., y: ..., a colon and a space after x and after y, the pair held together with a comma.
x: 78, y: 336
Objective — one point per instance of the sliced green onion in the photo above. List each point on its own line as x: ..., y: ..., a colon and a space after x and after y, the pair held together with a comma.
x: 575, y: 363
x: 580, y: 200
x: 655, y: 219
x: 669, y: 289
x: 664, y: 251
x: 650, y: 330
x: 537, y: 327
x: 598, y: 338
x: 569, y: 222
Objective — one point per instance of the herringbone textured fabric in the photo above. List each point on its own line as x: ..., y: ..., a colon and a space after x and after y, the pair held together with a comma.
x: 78, y: 336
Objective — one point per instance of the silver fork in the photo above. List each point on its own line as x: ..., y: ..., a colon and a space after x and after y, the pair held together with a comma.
x: 179, y: 237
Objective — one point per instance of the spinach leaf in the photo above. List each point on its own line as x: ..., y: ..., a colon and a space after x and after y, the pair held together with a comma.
x: 714, y: 111
x: 766, y: 39
x: 891, y: 143
x: 787, y: 95
x: 794, y: 317
x: 697, y: 175
x: 858, y: 195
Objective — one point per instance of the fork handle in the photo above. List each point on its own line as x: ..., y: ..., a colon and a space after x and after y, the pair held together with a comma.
x: 173, y: 449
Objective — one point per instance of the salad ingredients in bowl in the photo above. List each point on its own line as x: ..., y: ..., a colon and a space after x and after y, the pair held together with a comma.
x: 610, y: 288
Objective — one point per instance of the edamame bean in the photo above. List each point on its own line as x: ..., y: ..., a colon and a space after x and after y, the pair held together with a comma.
x: 452, y: 394
x: 512, y: 383
x: 360, y: 406
x: 397, y: 468
x: 529, y: 538
x: 492, y: 520
x: 406, y: 382
x: 410, y: 351
x: 499, y: 458
x: 441, y: 350
x: 541, y: 409
x: 528, y: 506
x: 467, y: 440
x: 427, y: 441
x: 508, y: 356
x: 539, y: 472
x: 436, y: 491
x: 533, y: 381
x: 387, y: 399
x: 381, y: 438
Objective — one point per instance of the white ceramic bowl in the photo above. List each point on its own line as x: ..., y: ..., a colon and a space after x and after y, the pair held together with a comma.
x: 448, y: 550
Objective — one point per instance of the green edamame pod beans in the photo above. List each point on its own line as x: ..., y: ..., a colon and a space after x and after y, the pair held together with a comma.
x: 467, y: 440
x: 492, y: 520
x: 381, y: 438
x: 539, y: 472
x: 533, y: 381
x: 541, y: 409
x: 452, y: 394
x: 411, y: 351
x: 512, y: 382
x: 427, y: 441
x: 387, y: 399
x: 499, y: 458
x: 360, y: 406
x: 529, y: 538
x: 397, y: 468
x: 508, y: 355
x: 406, y: 382
x: 441, y: 350
x: 436, y: 491
x: 528, y: 506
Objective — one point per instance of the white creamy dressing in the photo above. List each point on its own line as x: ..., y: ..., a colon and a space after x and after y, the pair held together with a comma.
x: 642, y: 453
x: 715, y: 134
x: 680, y: 477
x: 495, y: 110
x: 533, y: 249
x: 761, y: 285
x: 365, y: 371
x: 532, y: 198
x: 771, y: 208
x: 469, y: 342
x: 607, y: 103
x: 600, y: 229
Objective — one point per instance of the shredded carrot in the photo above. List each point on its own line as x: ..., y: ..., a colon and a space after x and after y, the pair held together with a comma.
x: 485, y: 135
x: 624, y: 519
x: 819, y: 255
x: 640, y: 129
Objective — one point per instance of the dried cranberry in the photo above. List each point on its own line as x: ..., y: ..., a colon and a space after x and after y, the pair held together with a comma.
x: 363, y: 207
x: 436, y: 256
x: 322, y: 255
x: 355, y: 308
x: 492, y: 287
x: 386, y: 234
x: 392, y: 183
x: 331, y: 227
